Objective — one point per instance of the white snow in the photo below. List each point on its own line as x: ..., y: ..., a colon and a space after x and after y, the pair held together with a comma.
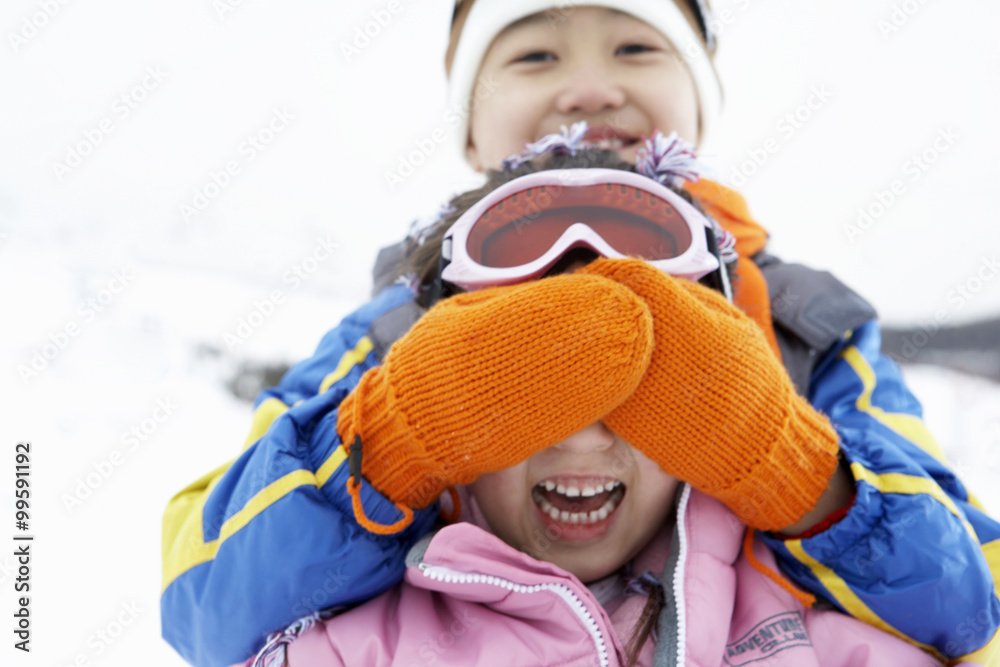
x: 205, y: 77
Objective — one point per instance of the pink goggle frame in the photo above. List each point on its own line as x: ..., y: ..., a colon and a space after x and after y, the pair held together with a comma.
x: 520, y: 230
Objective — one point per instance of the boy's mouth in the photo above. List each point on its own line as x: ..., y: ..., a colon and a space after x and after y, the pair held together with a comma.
x: 613, y: 144
x: 577, y: 500
x: 609, y: 138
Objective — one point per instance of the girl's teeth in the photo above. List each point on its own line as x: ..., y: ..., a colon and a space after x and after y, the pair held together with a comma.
x: 576, y: 492
x: 564, y: 516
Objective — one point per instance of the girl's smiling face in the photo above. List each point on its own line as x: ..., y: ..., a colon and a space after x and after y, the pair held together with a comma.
x: 588, y: 504
x: 600, y: 65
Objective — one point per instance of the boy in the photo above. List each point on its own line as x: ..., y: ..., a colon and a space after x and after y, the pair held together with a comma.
x: 627, y: 74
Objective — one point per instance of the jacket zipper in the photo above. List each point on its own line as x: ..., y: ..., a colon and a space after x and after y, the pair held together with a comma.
x: 671, y: 643
x: 447, y: 575
x: 677, y: 581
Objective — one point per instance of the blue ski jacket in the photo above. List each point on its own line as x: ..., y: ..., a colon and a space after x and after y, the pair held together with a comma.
x: 270, y: 536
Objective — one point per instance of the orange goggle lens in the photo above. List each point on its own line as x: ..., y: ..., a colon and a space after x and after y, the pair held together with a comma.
x: 520, y: 228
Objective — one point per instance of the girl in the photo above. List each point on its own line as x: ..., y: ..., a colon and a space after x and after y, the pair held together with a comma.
x: 628, y: 74
x: 571, y: 407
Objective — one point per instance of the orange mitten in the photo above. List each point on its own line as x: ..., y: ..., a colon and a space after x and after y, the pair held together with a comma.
x: 717, y: 408
x: 486, y: 379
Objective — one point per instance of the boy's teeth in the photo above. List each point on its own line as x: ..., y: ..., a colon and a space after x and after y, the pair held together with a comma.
x: 588, y: 491
x: 610, y: 144
x: 550, y: 486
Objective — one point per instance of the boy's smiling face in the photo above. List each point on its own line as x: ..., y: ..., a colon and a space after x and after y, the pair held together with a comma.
x: 600, y: 65
x: 588, y: 504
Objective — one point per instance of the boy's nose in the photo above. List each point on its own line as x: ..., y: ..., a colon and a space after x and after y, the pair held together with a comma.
x: 595, y: 438
x: 589, y: 89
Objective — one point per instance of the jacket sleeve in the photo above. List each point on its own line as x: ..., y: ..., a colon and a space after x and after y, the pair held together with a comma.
x: 916, y: 554
x: 271, y: 537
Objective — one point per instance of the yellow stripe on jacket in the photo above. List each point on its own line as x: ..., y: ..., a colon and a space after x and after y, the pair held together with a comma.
x: 184, y: 545
x: 908, y: 426
x: 848, y: 599
x: 989, y: 655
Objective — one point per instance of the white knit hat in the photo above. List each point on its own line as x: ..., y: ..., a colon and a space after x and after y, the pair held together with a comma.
x: 487, y: 18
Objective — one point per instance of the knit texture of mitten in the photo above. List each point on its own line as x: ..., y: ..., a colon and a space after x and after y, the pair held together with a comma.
x: 486, y: 379
x: 716, y: 408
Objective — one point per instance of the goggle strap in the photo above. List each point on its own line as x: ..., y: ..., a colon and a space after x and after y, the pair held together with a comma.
x: 718, y: 279
x: 440, y: 289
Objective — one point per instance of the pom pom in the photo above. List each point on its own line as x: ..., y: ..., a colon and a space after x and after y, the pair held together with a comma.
x: 566, y: 141
x: 668, y: 160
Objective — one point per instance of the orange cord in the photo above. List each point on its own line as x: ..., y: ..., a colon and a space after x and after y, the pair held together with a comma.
x: 368, y: 524
x: 807, y: 600
x: 456, y: 506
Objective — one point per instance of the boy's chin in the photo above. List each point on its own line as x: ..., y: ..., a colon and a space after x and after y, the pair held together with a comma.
x: 630, y: 154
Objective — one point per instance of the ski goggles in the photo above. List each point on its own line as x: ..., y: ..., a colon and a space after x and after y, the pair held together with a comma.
x: 520, y: 230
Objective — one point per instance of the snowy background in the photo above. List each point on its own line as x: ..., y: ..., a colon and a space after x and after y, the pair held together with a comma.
x: 118, y: 114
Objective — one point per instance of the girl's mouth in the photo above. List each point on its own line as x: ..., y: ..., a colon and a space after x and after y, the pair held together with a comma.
x: 578, y: 501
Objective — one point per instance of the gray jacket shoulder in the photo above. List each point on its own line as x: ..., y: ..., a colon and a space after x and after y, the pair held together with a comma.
x: 811, y: 311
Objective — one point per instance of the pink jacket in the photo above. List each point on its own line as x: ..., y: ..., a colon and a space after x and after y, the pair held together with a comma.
x: 470, y: 599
